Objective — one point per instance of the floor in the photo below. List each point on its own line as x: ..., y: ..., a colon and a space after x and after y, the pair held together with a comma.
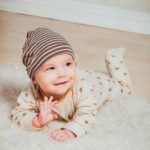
x: 89, y: 42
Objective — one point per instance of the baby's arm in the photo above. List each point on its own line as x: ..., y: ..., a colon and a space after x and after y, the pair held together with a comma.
x: 27, y: 115
x: 82, y: 120
x: 26, y: 109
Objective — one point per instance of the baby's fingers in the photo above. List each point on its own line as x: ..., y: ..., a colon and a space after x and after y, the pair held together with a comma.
x: 58, y: 135
x: 50, y: 102
x: 54, y: 103
x: 50, y: 99
x: 45, y: 99
x: 41, y: 106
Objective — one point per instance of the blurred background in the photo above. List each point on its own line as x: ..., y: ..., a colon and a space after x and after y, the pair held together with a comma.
x: 127, y: 15
x: 90, y: 26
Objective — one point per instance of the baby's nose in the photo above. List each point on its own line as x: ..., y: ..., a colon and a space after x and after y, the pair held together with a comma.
x: 61, y: 72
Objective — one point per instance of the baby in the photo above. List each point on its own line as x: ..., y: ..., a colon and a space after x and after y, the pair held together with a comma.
x: 60, y: 91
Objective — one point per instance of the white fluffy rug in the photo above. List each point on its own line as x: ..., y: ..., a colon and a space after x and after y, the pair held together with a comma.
x: 122, y: 124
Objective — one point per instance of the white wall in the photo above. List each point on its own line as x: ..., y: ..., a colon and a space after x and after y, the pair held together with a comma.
x: 126, y: 15
x: 135, y: 5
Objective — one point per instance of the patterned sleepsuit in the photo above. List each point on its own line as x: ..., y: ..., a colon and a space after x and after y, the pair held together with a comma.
x: 79, y: 106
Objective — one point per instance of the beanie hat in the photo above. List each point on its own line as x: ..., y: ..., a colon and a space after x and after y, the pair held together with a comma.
x: 42, y: 44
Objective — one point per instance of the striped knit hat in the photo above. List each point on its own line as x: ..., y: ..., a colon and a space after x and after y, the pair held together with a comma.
x: 41, y: 45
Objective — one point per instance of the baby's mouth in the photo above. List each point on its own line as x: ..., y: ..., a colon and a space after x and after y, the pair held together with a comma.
x: 61, y: 83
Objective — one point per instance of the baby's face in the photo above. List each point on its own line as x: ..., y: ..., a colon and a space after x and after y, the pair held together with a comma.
x: 57, y: 75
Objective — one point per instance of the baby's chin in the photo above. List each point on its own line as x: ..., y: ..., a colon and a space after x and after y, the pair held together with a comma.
x: 61, y: 93
x: 58, y: 96
x: 60, y: 90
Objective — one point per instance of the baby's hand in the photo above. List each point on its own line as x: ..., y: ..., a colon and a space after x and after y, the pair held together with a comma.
x: 62, y: 135
x: 46, y: 113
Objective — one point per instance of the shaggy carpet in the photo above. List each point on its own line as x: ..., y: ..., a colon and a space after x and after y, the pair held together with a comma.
x: 122, y: 124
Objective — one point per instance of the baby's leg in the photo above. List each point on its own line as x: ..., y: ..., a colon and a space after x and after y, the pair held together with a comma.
x: 118, y: 71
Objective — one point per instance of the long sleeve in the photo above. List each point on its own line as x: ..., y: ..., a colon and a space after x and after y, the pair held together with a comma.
x: 82, y: 120
x: 26, y: 109
x: 85, y: 112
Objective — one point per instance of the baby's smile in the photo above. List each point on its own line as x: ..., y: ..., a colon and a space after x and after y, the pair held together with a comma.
x: 61, y: 83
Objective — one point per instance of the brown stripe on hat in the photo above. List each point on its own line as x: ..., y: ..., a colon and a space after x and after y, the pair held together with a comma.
x: 44, y: 58
x: 41, y: 45
x: 41, y: 41
x: 35, y: 70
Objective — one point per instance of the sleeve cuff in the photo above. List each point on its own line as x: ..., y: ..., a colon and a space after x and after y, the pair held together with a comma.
x: 27, y: 121
x: 76, y: 128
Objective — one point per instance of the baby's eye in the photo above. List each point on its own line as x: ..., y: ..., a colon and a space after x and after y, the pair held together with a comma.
x: 51, y: 68
x: 68, y: 64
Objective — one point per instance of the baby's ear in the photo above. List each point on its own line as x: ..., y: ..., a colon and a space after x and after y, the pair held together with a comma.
x: 34, y: 81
